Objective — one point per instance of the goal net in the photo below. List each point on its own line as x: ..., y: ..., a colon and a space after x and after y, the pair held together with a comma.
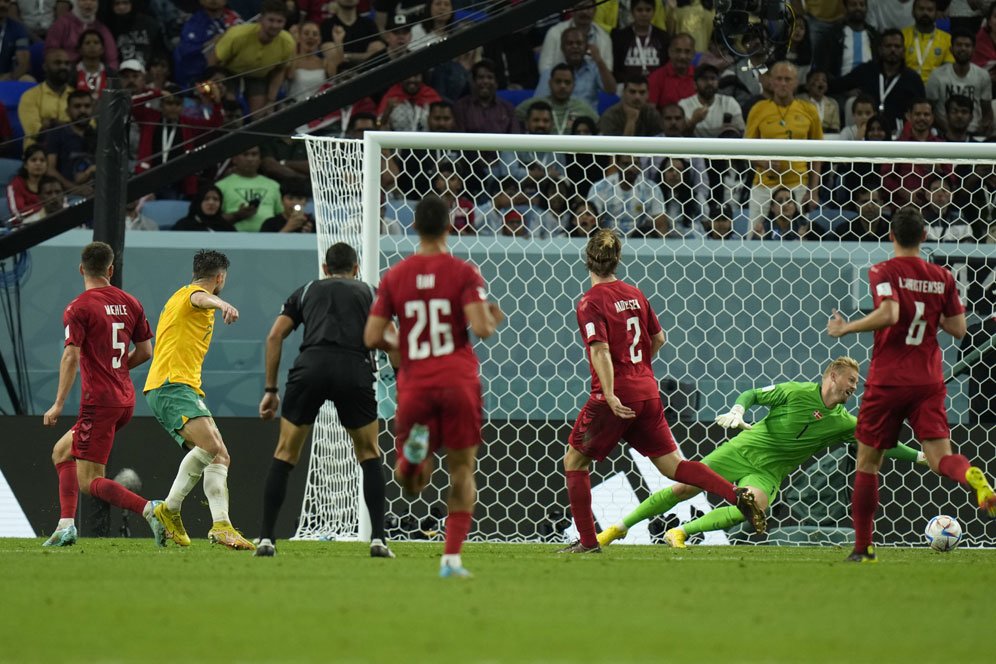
x: 743, y: 275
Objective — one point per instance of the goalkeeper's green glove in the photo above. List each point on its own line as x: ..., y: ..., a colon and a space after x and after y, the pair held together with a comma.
x: 733, y: 419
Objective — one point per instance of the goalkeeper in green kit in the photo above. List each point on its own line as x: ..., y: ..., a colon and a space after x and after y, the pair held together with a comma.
x: 803, y: 419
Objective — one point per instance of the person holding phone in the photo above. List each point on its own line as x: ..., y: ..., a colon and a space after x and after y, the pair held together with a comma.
x: 249, y: 197
x: 294, y: 196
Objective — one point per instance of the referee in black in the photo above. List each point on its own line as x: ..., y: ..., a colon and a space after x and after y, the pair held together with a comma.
x: 333, y: 365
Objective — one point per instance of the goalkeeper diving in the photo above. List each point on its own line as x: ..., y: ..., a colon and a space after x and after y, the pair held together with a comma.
x: 803, y: 419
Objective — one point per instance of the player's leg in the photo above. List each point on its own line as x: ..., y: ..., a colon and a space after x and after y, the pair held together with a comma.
x: 417, y: 431
x: 576, y: 468
x: 65, y: 467
x: 372, y: 466
x: 660, y: 502
x: 762, y: 486
x: 288, y: 453
x: 864, y: 501
x: 461, y: 464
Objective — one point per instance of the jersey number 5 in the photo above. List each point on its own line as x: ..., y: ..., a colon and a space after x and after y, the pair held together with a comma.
x: 427, y: 315
x: 117, y: 345
x: 635, y: 353
x: 914, y: 336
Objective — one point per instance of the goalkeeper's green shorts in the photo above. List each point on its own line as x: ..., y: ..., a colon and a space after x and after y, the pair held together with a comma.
x: 733, y: 466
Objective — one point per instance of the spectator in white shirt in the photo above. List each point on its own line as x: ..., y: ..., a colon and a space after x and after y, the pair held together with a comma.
x: 583, y: 19
x: 709, y: 114
x: 627, y: 201
x: 961, y: 77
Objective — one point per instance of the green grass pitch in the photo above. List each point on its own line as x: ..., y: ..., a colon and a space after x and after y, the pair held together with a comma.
x: 122, y: 600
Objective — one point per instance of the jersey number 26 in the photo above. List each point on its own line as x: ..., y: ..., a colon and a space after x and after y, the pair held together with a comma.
x: 426, y: 317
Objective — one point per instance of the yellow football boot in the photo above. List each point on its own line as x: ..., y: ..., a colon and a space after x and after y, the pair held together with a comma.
x: 225, y: 534
x: 172, y: 524
x: 675, y: 538
x: 610, y: 535
x: 983, y: 491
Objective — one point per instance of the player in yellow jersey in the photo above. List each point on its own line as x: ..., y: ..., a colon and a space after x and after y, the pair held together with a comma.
x: 173, y: 390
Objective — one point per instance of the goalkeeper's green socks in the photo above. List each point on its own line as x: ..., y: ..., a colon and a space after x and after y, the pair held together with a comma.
x: 718, y: 519
x: 656, y: 504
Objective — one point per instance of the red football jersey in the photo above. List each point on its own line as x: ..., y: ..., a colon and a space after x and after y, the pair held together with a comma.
x: 618, y: 314
x: 428, y: 294
x: 907, y: 353
x: 103, y: 322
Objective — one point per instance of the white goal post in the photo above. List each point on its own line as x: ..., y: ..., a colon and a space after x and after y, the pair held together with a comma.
x: 738, y: 312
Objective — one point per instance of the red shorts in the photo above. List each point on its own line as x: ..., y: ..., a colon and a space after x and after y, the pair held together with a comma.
x: 93, y: 433
x: 597, y: 430
x: 452, y: 413
x: 884, y: 407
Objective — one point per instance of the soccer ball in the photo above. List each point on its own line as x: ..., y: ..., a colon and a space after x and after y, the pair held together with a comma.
x: 943, y: 533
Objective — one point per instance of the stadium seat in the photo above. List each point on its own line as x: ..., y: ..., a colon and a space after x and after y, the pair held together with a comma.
x: 8, y: 169
x: 10, y: 95
x: 166, y: 213
x: 516, y: 97
x: 605, y: 100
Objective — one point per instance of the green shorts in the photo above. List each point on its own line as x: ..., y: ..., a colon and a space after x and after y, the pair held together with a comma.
x: 174, y: 404
x: 733, y: 466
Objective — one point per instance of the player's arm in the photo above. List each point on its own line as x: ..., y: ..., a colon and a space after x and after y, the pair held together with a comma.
x: 956, y: 326
x: 270, y: 402
x: 380, y: 333
x: 657, y: 342
x: 886, y: 314
x: 67, y: 376
x: 141, y: 353
x: 483, y: 318
x: 601, y: 361
x: 205, y: 300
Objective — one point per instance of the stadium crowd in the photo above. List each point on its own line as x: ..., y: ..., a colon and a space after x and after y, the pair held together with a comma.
x: 905, y: 70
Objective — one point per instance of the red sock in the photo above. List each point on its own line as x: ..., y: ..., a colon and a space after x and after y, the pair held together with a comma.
x: 457, y: 527
x: 704, y: 477
x: 579, y: 491
x: 69, y: 489
x: 111, y: 492
x: 864, y: 502
x: 954, y: 466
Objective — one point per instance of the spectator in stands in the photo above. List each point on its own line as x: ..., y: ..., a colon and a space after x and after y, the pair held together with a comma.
x: 591, y: 33
x: 783, y: 117
x: 52, y: 194
x: 965, y: 16
x: 632, y: 115
x: 91, y: 70
x: 822, y: 18
x: 745, y: 80
x: 869, y: 223
x: 720, y: 228
x: 65, y: 32
x: 903, y: 180
x: 945, y: 223
x: 627, y: 201
x: 15, y: 60
x: 962, y: 78
x: 582, y: 168
x: 718, y: 55
x: 582, y: 220
x: 399, y: 37
x: 849, y: 44
x: 483, y: 111
x: 37, y: 16
x: 293, y: 219
x: 959, y: 110
x: 539, y: 120
x: 641, y: 47
x: 24, y: 190
x: 710, y: 114
x: 826, y: 107
x: 784, y: 220
x: 249, y: 198
x: 985, y: 44
x: 405, y: 105
x: 592, y: 74
x: 612, y: 14
x: 136, y: 34
x: 862, y: 174
x: 451, y: 79
x: 889, y: 14
x: 889, y: 81
x: 584, y: 127
x: 862, y: 108
x: 385, y: 12
x: 258, y: 52
x: 360, y: 123
x: 313, y: 65
x: 356, y: 35
x: 463, y: 216
x: 673, y: 121
x: 205, y: 213
x: 798, y: 50
x: 564, y: 105
x: 72, y: 147
x: 417, y: 168
x: 927, y: 46
x: 695, y: 17
x: 136, y: 221
x: 200, y: 34
x: 284, y: 159
x: 437, y: 23
x: 44, y: 105
x: 159, y: 72
x: 514, y: 58
x: 675, y: 80
x: 677, y: 181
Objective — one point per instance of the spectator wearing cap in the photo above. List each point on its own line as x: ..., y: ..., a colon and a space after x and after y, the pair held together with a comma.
x: 566, y: 107
x: 710, y: 114
x: 137, y: 35
x: 583, y: 19
x: 482, y: 111
x: 398, y: 36
x: 405, y: 105
x: 293, y: 219
x: 354, y: 34
x: 258, y: 52
x: 632, y: 115
x: 387, y: 11
x: 674, y: 81
x: 66, y: 30
x: 592, y: 74
x: 44, y: 105
x: 200, y: 34
x: 14, y: 41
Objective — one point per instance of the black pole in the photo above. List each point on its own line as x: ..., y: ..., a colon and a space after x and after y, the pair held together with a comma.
x: 113, y: 113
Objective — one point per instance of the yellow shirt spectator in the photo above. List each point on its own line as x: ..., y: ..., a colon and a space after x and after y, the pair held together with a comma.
x: 926, y: 51
x: 183, y: 335
x: 798, y: 120
x: 42, y: 106
x: 607, y: 15
x: 240, y: 51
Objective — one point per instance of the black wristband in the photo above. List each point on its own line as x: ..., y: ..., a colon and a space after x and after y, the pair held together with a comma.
x: 271, y: 390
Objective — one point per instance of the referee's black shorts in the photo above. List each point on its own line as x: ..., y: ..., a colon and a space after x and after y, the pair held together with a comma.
x: 342, y: 378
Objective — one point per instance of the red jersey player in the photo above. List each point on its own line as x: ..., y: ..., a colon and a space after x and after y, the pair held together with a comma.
x: 912, y: 298
x: 100, y: 325
x: 622, y: 334
x: 435, y: 297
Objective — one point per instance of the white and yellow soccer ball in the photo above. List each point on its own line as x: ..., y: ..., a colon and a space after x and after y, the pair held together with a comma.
x: 943, y: 533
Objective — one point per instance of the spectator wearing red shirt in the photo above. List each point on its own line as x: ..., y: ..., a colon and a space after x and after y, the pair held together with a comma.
x: 675, y: 80
x: 23, y: 192
x: 66, y: 31
x: 405, y: 105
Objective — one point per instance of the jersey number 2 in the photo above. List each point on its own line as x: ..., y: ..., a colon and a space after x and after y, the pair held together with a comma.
x: 427, y: 315
x: 117, y: 345
x: 914, y: 336
x: 635, y: 354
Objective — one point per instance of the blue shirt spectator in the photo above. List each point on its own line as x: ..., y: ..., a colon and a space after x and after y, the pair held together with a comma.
x: 14, y: 41
x: 200, y: 33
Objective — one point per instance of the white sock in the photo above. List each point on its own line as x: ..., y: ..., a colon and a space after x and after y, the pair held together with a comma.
x: 147, y: 510
x: 216, y: 490
x: 451, y: 559
x: 65, y: 523
x: 187, y: 476
x: 622, y: 526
